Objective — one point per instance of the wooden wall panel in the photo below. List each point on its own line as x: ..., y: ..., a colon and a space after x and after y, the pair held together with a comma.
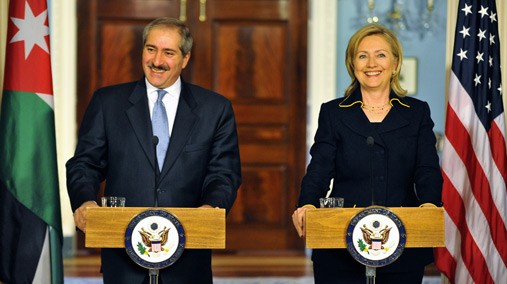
x: 249, y: 57
x: 120, y: 42
x: 137, y: 9
x: 266, y: 134
x: 261, y: 198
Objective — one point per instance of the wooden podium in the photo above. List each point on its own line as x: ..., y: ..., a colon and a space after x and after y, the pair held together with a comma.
x: 327, y: 227
x: 204, y: 227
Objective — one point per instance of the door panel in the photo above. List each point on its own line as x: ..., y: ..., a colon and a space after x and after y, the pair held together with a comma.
x: 119, y: 43
x: 255, y: 54
x: 249, y: 59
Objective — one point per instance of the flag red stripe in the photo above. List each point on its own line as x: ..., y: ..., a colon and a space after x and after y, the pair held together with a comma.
x: 459, y: 138
x: 470, y: 252
x: 498, y: 147
x: 445, y: 262
x: 480, y: 182
x: 443, y: 259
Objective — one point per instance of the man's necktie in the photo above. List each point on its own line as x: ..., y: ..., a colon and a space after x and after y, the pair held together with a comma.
x: 160, y: 128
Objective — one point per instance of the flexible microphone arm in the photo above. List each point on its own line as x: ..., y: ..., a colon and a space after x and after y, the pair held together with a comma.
x: 154, y: 141
x: 370, y: 141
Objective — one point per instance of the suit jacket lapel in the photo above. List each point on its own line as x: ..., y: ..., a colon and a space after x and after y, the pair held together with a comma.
x: 139, y: 117
x: 357, y: 121
x: 183, y: 125
x: 393, y: 120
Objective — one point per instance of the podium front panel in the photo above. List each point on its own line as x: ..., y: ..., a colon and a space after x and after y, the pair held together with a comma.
x: 327, y: 227
x: 204, y: 227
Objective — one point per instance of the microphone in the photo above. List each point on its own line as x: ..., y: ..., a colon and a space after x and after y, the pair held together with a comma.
x: 154, y: 141
x: 370, y: 141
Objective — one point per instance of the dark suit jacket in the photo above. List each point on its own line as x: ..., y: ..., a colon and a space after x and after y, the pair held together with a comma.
x: 404, y: 163
x: 202, y: 165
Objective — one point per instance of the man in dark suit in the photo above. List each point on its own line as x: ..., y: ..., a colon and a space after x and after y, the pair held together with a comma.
x: 116, y: 143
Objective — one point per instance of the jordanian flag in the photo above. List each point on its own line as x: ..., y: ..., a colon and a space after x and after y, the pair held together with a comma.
x: 30, y: 220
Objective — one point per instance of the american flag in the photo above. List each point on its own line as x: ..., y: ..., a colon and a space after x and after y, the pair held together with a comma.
x: 474, y: 161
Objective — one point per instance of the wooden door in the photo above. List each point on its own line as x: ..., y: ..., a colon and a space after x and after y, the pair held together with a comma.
x: 254, y: 53
x: 251, y: 51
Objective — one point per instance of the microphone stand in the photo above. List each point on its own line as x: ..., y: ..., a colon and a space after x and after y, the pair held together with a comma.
x: 154, y: 272
x: 371, y: 272
x: 153, y: 276
x: 154, y: 141
x: 370, y: 141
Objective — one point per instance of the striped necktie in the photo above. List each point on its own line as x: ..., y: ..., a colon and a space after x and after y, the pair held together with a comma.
x: 160, y: 128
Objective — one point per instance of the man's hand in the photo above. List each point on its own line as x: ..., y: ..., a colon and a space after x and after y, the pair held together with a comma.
x: 299, y: 220
x: 206, y: 206
x: 80, y: 215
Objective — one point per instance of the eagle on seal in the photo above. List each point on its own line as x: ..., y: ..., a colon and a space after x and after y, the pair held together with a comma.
x: 160, y: 238
x: 371, y: 236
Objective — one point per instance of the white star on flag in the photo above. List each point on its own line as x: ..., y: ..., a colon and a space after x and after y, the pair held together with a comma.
x: 479, y: 57
x: 491, y: 39
x: 483, y: 11
x: 477, y: 79
x: 492, y: 16
x: 467, y: 9
x: 464, y: 32
x: 462, y: 54
x: 32, y: 30
x: 481, y: 34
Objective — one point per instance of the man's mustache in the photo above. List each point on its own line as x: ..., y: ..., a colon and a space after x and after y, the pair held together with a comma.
x: 161, y: 67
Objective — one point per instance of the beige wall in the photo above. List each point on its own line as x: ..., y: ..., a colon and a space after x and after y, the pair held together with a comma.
x: 4, y: 9
x: 64, y: 61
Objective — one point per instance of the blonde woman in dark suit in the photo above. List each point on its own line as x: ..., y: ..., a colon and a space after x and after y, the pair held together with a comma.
x: 405, y: 168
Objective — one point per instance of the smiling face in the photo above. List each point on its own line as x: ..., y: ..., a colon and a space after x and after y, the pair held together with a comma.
x: 163, y: 60
x: 374, y: 63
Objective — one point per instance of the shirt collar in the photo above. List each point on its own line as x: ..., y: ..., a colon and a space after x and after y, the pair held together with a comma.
x: 173, y: 90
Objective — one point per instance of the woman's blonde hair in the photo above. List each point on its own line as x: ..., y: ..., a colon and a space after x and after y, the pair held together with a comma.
x: 392, y: 40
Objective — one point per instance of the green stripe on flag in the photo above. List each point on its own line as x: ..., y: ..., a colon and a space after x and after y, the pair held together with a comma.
x: 55, y: 246
x: 28, y: 151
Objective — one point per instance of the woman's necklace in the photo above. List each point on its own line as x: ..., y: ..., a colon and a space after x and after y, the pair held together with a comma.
x: 377, y: 109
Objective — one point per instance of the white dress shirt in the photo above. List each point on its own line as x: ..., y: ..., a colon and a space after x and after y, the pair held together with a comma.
x: 170, y: 100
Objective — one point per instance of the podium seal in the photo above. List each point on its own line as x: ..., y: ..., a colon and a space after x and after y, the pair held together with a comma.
x: 376, y: 237
x: 154, y: 239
